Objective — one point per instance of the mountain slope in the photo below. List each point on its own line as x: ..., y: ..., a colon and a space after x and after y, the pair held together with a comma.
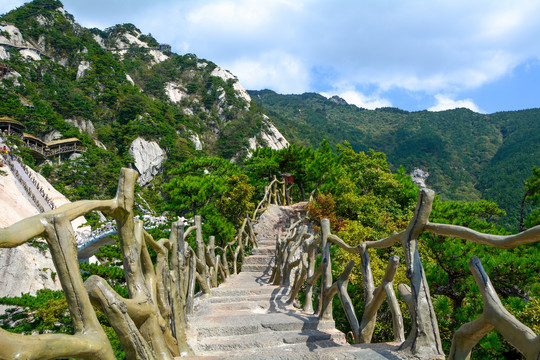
x: 468, y: 155
x: 109, y: 87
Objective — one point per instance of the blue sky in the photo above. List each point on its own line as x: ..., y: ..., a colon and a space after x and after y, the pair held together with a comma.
x: 410, y: 54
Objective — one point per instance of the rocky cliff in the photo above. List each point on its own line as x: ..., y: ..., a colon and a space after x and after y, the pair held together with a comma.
x: 26, y: 268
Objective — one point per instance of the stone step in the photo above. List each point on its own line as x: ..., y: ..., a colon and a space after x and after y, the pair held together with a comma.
x: 264, y: 250
x: 259, y: 259
x: 277, y: 298
x: 256, y: 268
x: 223, y: 325
x: 301, y: 351
x: 320, y: 350
x: 244, y: 290
x: 231, y: 306
x: 258, y: 341
x: 232, y: 299
x: 267, y: 242
x: 257, y: 304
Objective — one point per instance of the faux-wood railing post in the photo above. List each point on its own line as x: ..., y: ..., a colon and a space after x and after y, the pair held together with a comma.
x: 424, y: 339
x: 178, y: 286
x: 326, y: 310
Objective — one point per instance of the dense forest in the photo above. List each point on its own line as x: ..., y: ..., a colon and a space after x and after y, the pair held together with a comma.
x: 353, y: 161
x: 469, y: 156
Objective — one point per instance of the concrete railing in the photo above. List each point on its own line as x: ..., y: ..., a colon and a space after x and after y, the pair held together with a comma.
x: 274, y: 194
x: 85, y: 239
x: 151, y: 323
x: 298, y: 252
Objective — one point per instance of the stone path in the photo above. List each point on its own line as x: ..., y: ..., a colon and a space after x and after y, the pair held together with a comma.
x: 248, y: 318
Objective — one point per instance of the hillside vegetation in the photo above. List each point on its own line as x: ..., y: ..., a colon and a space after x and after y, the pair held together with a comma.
x: 108, y: 87
x: 469, y: 156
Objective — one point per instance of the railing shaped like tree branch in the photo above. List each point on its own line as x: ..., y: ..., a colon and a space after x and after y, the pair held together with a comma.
x: 151, y: 322
x: 298, y: 252
x: 275, y: 193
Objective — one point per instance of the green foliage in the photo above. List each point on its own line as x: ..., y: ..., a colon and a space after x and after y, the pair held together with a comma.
x: 214, y: 188
x: 469, y: 156
x: 532, y: 196
x: 109, y: 268
x: 33, y: 302
x: 512, y: 272
x: 50, y: 309
x: 47, y: 93
x: 76, y: 178
x: 310, y: 169
x: 358, y: 193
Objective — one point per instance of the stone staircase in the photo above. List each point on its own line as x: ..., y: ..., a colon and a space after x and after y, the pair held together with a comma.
x: 248, y: 318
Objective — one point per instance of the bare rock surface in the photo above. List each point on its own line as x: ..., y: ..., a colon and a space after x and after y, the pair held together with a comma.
x: 148, y: 157
x: 26, y: 269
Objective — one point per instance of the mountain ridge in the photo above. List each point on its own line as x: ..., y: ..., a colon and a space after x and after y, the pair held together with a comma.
x: 468, y: 155
x: 109, y: 87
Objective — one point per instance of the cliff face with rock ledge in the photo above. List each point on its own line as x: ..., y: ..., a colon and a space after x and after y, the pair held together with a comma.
x: 26, y: 268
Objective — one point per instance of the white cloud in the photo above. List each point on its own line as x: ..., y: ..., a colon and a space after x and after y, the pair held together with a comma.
x: 427, y: 47
x: 278, y: 71
x: 240, y: 16
x: 229, y: 15
x: 444, y: 102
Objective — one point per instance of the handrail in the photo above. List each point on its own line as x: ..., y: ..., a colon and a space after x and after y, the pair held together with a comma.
x: 161, y: 295
x: 298, y: 251
x: 273, y: 195
x: 46, y: 152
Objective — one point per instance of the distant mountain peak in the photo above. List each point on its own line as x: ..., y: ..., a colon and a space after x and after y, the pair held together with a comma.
x: 338, y: 100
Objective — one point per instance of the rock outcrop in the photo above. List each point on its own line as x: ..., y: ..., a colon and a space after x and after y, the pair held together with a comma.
x: 225, y: 75
x: 419, y: 177
x: 274, y: 139
x: 271, y: 137
x: 14, y: 38
x: 51, y: 136
x: 338, y: 100
x: 84, y: 126
x: 175, y: 91
x: 148, y: 157
x: 83, y: 66
x: 196, y: 140
x: 26, y: 269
